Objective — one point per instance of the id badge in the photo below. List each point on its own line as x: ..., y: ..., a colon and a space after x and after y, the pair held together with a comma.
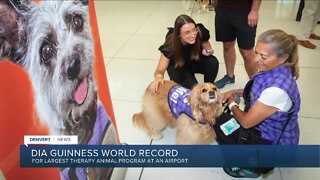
x: 230, y: 126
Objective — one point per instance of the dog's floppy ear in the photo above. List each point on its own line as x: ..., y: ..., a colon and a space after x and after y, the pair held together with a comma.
x: 195, y: 103
x: 11, y: 13
x: 194, y: 96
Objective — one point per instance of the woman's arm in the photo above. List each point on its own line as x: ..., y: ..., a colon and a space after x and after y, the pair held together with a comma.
x: 205, y: 36
x: 231, y: 93
x: 159, y: 73
x: 253, y: 16
x: 206, y: 45
x: 257, y: 113
x: 206, y: 48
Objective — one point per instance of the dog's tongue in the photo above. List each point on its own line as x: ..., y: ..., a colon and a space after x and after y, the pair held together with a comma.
x: 81, y: 92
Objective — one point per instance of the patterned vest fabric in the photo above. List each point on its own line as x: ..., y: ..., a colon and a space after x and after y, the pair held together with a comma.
x: 102, y: 122
x: 272, y: 127
x: 178, y: 101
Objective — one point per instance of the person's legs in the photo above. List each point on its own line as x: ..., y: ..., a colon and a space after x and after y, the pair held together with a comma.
x: 229, y: 54
x: 225, y: 32
x: 307, y: 19
x: 220, y: 136
x: 241, y: 172
x: 300, y: 10
x: 182, y: 76
x: 315, y: 19
x: 233, y: 138
x: 208, y: 66
x: 249, y: 63
x: 307, y: 24
x: 189, y: 81
x: 246, y: 40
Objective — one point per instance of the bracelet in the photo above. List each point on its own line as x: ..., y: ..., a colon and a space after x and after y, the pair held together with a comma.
x: 232, y: 104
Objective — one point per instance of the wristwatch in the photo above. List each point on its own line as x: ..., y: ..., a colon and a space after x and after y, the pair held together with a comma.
x: 232, y: 104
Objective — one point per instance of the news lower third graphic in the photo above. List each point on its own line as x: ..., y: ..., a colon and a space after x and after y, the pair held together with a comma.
x: 34, y: 155
x: 50, y: 140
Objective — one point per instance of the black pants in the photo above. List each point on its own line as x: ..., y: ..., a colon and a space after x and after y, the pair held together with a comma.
x: 299, y: 12
x: 221, y: 137
x: 233, y: 25
x: 185, y: 76
x: 234, y: 139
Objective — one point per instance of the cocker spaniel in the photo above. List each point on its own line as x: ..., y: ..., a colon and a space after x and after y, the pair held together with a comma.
x: 191, y: 112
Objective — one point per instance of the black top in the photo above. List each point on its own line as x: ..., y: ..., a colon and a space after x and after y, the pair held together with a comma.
x: 186, y: 50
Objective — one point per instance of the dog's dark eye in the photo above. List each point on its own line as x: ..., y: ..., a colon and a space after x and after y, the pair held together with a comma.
x: 68, y: 17
x: 46, y: 52
x: 77, y: 23
x: 214, y: 89
x: 204, y: 90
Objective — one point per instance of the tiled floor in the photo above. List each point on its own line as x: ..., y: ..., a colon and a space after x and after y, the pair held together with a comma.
x: 132, y: 31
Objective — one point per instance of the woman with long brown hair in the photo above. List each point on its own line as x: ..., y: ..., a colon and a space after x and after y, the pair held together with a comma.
x: 186, y: 51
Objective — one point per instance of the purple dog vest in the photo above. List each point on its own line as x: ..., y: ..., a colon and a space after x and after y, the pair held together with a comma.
x: 272, y: 127
x: 101, y: 124
x: 178, y: 101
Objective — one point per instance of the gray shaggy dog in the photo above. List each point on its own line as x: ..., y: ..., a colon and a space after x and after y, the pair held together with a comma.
x: 52, y: 40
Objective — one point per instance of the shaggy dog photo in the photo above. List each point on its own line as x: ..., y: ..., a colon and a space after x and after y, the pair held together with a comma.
x: 52, y: 40
x: 192, y: 113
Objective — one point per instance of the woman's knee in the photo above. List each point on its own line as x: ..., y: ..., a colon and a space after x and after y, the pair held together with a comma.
x: 212, y: 63
x: 229, y: 46
x: 211, y: 68
x: 247, y: 54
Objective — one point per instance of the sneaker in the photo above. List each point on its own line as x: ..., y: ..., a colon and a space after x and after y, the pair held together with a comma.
x: 307, y: 44
x: 241, y: 172
x: 225, y: 80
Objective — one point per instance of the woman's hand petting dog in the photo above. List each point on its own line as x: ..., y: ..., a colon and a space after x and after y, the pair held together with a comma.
x: 155, y: 84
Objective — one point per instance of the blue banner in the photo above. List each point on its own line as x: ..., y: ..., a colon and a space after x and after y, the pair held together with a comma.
x: 169, y: 156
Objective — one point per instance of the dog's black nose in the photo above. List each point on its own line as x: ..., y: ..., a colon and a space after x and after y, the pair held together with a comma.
x: 212, y: 94
x: 74, y: 67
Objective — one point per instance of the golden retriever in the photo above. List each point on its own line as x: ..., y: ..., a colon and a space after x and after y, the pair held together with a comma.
x: 204, y: 102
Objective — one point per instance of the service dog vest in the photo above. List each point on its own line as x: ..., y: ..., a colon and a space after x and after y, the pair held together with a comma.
x: 178, y: 101
x: 271, y: 127
x: 99, y: 130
